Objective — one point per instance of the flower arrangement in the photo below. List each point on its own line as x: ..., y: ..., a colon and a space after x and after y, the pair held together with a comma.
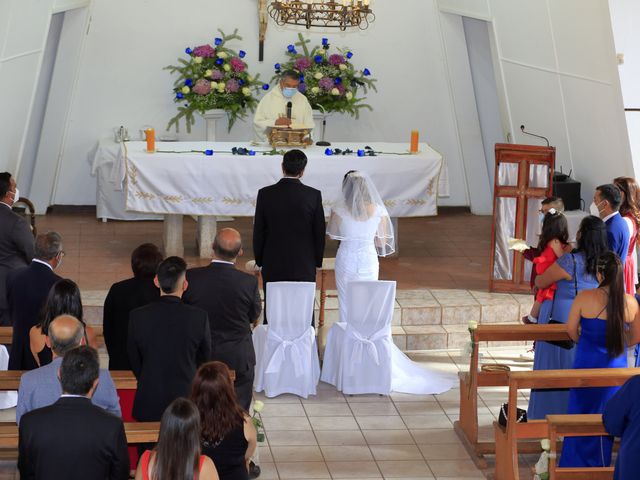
x: 329, y: 80
x: 542, y: 465
x: 258, y: 406
x: 214, y: 76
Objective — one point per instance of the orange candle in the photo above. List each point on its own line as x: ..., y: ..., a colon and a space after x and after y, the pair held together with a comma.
x: 414, y: 141
x: 151, y: 139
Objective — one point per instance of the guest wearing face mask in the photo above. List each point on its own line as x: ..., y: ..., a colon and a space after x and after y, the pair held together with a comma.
x: 272, y: 109
x: 16, y: 240
x: 606, y: 203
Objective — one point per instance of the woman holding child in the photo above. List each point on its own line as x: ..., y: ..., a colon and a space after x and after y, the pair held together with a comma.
x: 571, y: 273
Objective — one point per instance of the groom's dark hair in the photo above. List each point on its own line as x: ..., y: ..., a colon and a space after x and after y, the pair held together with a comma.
x: 293, y: 162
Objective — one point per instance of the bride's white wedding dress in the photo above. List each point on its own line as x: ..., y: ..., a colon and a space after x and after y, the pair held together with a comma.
x: 361, y: 241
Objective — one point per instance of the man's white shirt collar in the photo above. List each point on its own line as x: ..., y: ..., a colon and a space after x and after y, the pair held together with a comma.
x: 222, y: 261
x: 610, y: 216
x: 44, y: 263
x: 6, y: 205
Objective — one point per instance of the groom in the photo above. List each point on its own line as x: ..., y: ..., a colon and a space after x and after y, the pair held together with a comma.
x: 289, y: 228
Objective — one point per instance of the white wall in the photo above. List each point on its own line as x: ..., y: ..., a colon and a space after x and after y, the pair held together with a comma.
x: 121, y: 80
x: 556, y: 62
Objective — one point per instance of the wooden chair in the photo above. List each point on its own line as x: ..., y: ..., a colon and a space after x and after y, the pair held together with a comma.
x: 506, y: 467
x: 30, y: 212
x: 575, y: 426
x: 467, y: 425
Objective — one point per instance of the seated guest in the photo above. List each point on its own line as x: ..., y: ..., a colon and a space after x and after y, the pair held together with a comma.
x: 167, y: 342
x: 177, y: 453
x: 227, y: 433
x: 128, y: 295
x: 72, y: 438
x: 232, y: 301
x: 606, y: 203
x: 621, y: 418
x: 63, y: 299
x: 40, y: 387
x: 27, y: 290
x: 16, y: 239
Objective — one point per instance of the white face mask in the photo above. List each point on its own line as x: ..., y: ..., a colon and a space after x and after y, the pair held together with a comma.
x: 16, y: 196
x: 593, y: 209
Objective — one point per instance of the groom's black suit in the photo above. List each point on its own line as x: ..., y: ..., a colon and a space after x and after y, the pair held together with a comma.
x: 289, y: 232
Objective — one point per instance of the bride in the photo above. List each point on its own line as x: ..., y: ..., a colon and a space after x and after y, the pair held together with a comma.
x: 362, y: 224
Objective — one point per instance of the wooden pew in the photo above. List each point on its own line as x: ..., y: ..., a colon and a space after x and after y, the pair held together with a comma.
x: 575, y: 426
x: 123, y: 379
x: 467, y: 425
x: 506, y: 466
x: 6, y: 335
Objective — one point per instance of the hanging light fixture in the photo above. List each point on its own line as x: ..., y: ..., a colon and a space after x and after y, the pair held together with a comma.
x: 321, y: 13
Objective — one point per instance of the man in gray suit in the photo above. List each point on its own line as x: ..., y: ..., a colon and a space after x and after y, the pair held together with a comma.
x: 16, y: 240
x: 41, y: 387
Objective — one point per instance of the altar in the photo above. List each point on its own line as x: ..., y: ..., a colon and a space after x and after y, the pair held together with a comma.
x: 180, y: 179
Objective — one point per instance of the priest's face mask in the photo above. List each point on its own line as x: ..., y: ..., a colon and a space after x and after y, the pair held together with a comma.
x: 289, y: 86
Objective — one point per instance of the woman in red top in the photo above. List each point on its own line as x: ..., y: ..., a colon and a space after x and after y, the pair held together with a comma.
x: 630, y: 211
x: 177, y: 454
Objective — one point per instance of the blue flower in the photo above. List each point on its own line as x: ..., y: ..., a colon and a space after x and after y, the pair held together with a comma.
x: 338, y: 81
x: 217, y: 41
x: 361, y: 153
x: 179, y: 95
x: 277, y: 66
x: 318, y: 58
x: 188, y: 82
x: 291, y: 49
x: 208, y: 152
x: 252, y: 153
x: 265, y: 86
x: 188, y: 51
x: 302, y: 78
x: 328, y: 152
x: 302, y: 87
x: 366, y: 72
x: 242, y: 53
x: 349, y: 55
x: 325, y: 41
x: 219, y: 61
x: 240, y: 81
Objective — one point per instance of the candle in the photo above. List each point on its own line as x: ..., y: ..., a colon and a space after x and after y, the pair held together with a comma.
x: 151, y: 139
x: 414, y: 141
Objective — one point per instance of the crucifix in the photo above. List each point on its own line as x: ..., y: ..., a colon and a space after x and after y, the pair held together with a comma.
x: 263, y: 18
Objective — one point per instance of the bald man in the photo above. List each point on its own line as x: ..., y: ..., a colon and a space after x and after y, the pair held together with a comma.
x: 232, y: 300
x: 41, y: 387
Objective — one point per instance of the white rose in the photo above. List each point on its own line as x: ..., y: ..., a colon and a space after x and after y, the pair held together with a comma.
x: 342, y: 66
x: 221, y: 87
x: 318, y: 76
x: 185, y: 90
x: 226, y: 67
x: 349, y: 95
x: 222, y: 55
x: 214, y: 85
x: 545, y: 443
x: 472, y: 325
x: 246, y: 92
x: 335, y: 91
x: 258, y: 406
x: 250, y: 78
x: 315, y: 90
x: 208, y: 73
x: 197, y: 59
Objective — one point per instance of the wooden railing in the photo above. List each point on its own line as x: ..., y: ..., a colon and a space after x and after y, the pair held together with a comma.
x: 6, y: 335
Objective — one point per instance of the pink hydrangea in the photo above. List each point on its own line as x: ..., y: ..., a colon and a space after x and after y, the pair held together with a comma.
x: 237, y: 65
x: 202, y: 87
x: 217, y: 75
x: 232, y: 86
x: 341, y: 89
x: 302, y: 63
x: 326, y: 83
x: 336, y: 59
x: 206, y: 51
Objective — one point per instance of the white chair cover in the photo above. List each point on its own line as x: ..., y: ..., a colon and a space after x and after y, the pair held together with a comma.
x: 357, y: 358
x: 8, y: 399
x: 286, y: 353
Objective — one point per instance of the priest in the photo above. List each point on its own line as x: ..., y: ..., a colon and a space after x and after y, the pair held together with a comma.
x: 272, y: 109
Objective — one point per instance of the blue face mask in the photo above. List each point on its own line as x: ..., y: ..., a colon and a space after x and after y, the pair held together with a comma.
x: 289, y: 92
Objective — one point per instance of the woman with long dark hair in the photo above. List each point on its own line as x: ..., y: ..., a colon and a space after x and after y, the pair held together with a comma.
x: 571, y: 273
x: 630, y: 211
x: 602, y: 322
x: 177, y: 453
x: 63, y: 299
x: 227, y: 433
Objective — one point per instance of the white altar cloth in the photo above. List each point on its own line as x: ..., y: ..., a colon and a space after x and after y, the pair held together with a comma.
x: 226, y: 184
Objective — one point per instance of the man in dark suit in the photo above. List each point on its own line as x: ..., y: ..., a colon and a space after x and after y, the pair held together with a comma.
x: 607, y: 200
x: 167, y: 342
x: 125, y: 296
x: 289, y: 227
x: 27, y: 291
x: 232, y: 301
x: 16, y: 239
x: 73, y: 439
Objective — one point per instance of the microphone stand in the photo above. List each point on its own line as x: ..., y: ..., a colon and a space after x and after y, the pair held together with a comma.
x: 323, y: 142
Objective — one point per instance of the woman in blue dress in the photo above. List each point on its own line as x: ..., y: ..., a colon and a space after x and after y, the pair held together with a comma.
x: 572, y: 273
x: 602, y: 321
